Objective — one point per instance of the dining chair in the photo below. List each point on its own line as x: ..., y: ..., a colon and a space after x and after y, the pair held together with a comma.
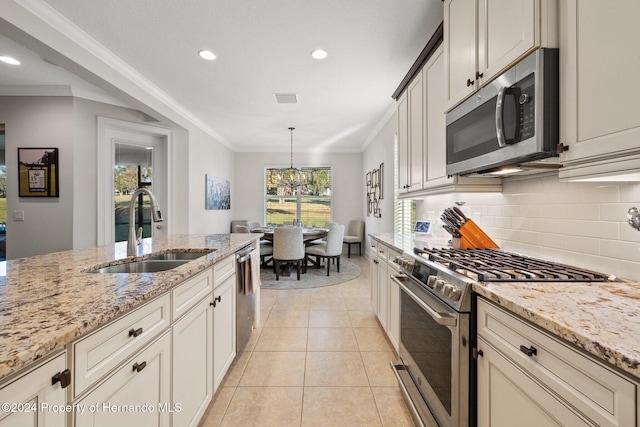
x: 238, y: 222
x: 288, y: 246
x: 331, y: 249
x: 241, y: 229
x: 253, y: 225
x: 354, y: 235
x: 326, y: 225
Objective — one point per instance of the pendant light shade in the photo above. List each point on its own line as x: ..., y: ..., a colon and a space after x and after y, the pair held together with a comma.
x: 290, y: 177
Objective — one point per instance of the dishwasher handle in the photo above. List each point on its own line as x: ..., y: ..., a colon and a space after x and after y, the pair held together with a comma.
x: 243, y: 255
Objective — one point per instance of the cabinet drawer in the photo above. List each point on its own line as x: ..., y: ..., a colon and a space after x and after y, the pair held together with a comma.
x: 392, y: 254
x: 223, y: 269
x: 187, y: 295
x: 98, y: 353
x: 137, y: 394
x: 601, y: 394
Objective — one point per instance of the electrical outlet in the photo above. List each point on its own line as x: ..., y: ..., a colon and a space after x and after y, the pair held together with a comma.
x: 18, y: 215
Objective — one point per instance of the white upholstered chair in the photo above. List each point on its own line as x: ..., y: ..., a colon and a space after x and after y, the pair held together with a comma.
x: 265, y: 250
x: 354, y: 235
x: 238, y: 222
x: 288, y: 246
x: 241, y: 229
x: 331, y: 249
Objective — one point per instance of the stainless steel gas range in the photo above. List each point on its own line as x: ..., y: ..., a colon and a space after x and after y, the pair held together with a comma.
x: 436, y: 369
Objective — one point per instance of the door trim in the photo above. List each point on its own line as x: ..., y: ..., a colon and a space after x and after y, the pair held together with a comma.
x: 107, y: 128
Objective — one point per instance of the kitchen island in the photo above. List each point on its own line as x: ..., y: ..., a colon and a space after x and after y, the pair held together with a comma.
x: 48, y: 301
x: 600, y: 318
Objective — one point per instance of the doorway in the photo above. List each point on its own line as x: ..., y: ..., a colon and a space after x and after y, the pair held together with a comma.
x: 131, y: 156
x: 3, y: 196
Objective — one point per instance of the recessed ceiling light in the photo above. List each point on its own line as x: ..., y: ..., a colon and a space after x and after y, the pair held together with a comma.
x: 319, y: 54
x: 207, y: 54
x: 9, y: 60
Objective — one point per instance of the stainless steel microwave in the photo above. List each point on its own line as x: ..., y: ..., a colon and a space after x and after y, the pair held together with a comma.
x: 512, y: 120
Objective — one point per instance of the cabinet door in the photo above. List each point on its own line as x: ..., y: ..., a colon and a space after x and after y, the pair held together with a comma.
x: 460, y: 49
x: 224, y: 328
x: 373, y: 276
x: 394, y: 309
x: 598, y: 104
x: 436, y: 144
x: 193, y: 363
x: 383, y: 294
x: 508, y: 397
x: 403, y: 143
x: 138, y: 394
x: 506, y: 32
x: 416, y: 132
x: 31, y: 395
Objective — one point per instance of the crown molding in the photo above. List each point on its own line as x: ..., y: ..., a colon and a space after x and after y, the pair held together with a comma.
x: 99, y: 60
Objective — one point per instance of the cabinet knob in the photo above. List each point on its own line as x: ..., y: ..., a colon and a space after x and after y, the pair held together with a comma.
x: 469, y: 82
x: 477, y: 353
x: 64, y: 378
x: 215, y: 300
x: 479, y: 75
x: 135, y: 332
x: 530, y: 351
x: 139, y: 366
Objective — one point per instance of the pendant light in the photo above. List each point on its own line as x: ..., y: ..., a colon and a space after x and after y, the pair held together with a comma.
x: 290, y: 177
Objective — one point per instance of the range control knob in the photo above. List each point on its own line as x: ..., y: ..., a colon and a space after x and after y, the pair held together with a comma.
x: 447, y: 289
x: 431, y: 281
x: 439, y: 285
x: 456, y: 293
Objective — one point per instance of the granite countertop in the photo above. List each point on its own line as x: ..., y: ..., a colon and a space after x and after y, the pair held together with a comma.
x: 48, y: 301
x: 600, y: 318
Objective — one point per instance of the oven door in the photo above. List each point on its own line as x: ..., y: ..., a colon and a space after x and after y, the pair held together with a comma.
x: 434, y: 352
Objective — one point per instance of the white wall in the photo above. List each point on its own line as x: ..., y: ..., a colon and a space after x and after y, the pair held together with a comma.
x: 381, y: 150
x: 45, y: 122
x: 581, y: 224
x: 247, y: 195
x: 206, y: 156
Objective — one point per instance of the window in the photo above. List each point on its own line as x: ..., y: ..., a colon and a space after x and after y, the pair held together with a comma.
x: 310, y: 203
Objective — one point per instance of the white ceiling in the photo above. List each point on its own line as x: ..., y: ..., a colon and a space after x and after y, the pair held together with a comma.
x: 262, y: 47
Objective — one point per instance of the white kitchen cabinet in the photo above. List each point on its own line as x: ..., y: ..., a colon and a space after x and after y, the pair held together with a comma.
x: 415, y: 93
x: 403, y: 143
x: 32, y: 396
x: 393, y: 324
x: 381, y: 285
x: 599, y: 120
x: 373, y: 275
x: 137, y: 394
x: 224, y: 327
x: 507, y: 30
x: 428, y: 162
x: 192, y: 360
x: 527, y: 375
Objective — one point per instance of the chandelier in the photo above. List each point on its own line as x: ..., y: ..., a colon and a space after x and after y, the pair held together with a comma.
x: 290, y: 177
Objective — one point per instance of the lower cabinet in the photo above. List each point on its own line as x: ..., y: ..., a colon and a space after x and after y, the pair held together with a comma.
x: 137, y: 394
x: 385, y: 294
x: 527, y: 377
x: 224, y: 328
x: 32, y: 399
x: 393, y: 329
x: 193, y: 363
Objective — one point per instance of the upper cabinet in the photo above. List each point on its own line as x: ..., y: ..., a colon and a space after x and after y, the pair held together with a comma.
x: 599, y: 119
x: 422, y: 137
x: 484, y: 37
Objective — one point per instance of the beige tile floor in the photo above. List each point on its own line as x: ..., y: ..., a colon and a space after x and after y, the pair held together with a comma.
x: 320, y: 358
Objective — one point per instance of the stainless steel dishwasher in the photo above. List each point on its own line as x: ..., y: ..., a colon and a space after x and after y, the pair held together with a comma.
x: 244, y: 300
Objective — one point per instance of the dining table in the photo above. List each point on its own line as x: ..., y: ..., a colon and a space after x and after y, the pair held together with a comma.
x: 308, y: 234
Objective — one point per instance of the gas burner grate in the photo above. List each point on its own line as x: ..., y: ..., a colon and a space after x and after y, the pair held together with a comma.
x: 494, y: 265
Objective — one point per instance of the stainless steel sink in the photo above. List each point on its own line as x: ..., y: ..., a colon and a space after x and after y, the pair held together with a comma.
x: 144, y: 266
x: 178, y: 256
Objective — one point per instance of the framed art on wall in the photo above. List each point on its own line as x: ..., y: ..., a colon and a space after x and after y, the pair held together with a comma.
x: 38, y: 172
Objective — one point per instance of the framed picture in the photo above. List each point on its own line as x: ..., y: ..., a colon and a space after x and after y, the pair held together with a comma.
x: 218, y: 193
x: 38, y: 172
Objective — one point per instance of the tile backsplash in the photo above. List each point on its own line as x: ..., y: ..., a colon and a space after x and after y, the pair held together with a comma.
x: 577, y: 223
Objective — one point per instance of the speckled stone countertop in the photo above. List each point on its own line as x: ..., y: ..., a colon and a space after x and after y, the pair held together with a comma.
x: 603, y: 319
x: 47, y: 301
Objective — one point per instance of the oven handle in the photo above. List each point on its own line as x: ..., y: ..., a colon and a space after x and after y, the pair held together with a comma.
x: 437, y: 317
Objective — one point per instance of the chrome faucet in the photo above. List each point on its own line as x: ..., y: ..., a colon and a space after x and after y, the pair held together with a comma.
x: 133, y: 241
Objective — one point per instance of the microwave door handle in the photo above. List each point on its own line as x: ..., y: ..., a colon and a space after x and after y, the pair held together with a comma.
x: 499, y: 117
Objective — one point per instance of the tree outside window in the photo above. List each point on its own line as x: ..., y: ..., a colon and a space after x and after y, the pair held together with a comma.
x: 310, y: 203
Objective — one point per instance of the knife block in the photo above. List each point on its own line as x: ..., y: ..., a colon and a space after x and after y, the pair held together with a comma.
x: 472, y: 237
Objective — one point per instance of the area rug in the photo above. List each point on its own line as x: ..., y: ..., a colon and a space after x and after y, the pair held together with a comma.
x: 314, y: 278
